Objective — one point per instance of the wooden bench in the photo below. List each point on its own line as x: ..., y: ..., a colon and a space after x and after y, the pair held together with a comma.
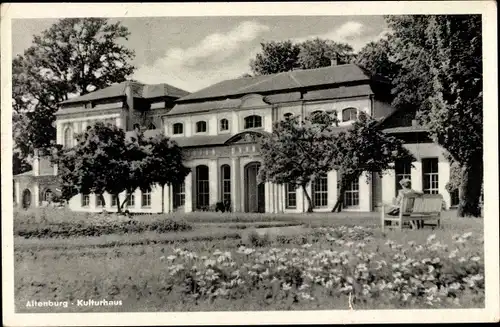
x: 416, y: 210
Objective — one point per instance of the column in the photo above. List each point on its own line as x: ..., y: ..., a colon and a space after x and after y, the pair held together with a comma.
x: 389, y: 186
x: 282, y: 198
x: 17, y: 192
x: 59, y: 133
x: 267, y: 197
x: 188, y: 183
x: 118, y: 122
x: 332, y: 188
x: 235, y: 122
x: 107, y: 200
x: 36, y: 195
x: 275, y: 198
x: 300, y: 199
x: 93, y: 201
x: 416, y: 176
x: 138, y: 196
x: 365, y: 193
x: 84, y: 126
x: 171, y: 195
x: 166, y: 198
x: 213, y: 171
x: 236, y: 184
x: 36, y: 164
x: 443, y: 179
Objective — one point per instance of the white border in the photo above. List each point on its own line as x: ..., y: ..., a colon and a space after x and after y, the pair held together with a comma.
x: 53, y: 10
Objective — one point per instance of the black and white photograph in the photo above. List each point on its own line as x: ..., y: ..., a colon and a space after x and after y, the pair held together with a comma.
x: 249, y: 163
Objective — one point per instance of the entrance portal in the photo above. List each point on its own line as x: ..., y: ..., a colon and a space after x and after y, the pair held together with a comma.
x: 254, y: 191
x: 26, y: 198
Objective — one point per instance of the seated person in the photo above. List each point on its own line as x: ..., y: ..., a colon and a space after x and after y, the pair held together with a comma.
x: 406, y: 189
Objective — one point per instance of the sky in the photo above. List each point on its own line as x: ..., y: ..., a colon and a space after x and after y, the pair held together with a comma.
x: 194, y: 52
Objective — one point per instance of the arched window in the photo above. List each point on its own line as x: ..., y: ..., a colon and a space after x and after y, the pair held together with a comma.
x: 151, y: 126
x: 225, y: 172
x: 224, y: 124
x: 201, y: 127
x: 68, y: 137
x: 202, y: 187
x: 288, y: 115
x: 253, y: 121
x: 47, y: 196
x: 320, y: 192
x: 315, y: 112
x: 178, y: 128
x: 349, y: 114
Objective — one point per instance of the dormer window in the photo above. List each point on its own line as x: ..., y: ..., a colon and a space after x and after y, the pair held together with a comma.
x: 349, y: 114
x: 253, y: 121
x: 201, y: 127
x: 224, y: 124
x: 178, y: 128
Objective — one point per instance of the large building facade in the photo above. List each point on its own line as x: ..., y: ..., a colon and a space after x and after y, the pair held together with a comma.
x: 218, y: 128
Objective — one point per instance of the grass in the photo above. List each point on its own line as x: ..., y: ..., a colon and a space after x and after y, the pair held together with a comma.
x: 135, y: 267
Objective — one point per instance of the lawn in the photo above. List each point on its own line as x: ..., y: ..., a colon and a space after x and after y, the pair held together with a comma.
x: 206, y: 261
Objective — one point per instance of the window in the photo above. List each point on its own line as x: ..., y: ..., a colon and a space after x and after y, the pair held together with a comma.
x: 349, y: 114
x: 151, y: 126
x: 320, y: 192
x: 131, y: 200
x: 430, y: 176
x: 202, y: 187
x: 351, y: 194
x: 114, y: 201
x: 253, y: 121
x: 47, y: 196
x: 146, y: 198
x: 68, y: 137
x: 288, y: 115
x: 178, y: 128
x: 201, y: 127
x: 291, y: 196
x: 224, y: 124
x: 179, y: 191
x: 226, y: 183
x: 99, y: 201
x: 85, y: 200
x: 403, y: 170
x: 454, y: 198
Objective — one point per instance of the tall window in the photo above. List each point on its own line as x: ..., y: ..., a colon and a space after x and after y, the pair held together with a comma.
x: 430, y: 175
x: 178, y: 128
x: 224, y: 124
x: 349, y: 114
x: 403, y: 170
x: 291, y: 196
x: 455, y: 198
x: 351, y: 194
x: 131, y: 200
x: 202, y: 187
x: 68, y: 137
x: 99, y: 202
x: 179, y: 191
x: 226, y: 182
x: 114, y: 201
x: 146, y: 198
x: 85, y: 200
x: 47, y: 196
x: 253, y: 121
x: 320, y: 191
x: 201, y: 127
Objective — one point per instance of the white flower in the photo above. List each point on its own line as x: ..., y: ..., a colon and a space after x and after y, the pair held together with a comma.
x: 286, y: 286
x: 475, y: 258
x: 171, y: 257
x: 431, y: 238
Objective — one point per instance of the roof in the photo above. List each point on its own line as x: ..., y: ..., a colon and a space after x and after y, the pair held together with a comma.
x: 27, y: 173
x: 296, y: 79
x: 139, y: 90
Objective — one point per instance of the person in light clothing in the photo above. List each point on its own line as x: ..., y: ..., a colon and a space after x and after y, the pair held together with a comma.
x: 396, y: 203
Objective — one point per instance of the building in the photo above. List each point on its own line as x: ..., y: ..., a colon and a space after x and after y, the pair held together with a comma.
x: 218, y: 128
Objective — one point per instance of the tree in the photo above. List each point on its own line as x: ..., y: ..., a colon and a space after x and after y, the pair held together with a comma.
x: 298, y: 151
x: 319, y: 53
x: 276, y: 57
x: 441, y: 76
x: 104, y: 160
x: 364, y: 148
x: 165, y: 162
x: 73, y: 57
x: 376, y: 57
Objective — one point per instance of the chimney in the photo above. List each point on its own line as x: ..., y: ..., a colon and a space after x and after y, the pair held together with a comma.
x: 36, y: 163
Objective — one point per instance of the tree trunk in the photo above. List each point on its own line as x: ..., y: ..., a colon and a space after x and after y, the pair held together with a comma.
x: 118, y: 206
x: 470, y: 189
x: 127, y: 198
x: 340, y: 198
x: 103, y: 201
x: 162, y: 198
x: 310, y: 206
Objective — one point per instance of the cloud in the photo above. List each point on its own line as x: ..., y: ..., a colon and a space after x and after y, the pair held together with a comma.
x: 217, y: 57
x: 353, y: 33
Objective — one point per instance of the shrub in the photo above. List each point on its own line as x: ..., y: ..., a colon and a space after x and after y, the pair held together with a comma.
x: 253, y: 238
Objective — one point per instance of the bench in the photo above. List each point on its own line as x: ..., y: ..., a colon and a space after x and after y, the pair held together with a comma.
x: 416, y: 210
